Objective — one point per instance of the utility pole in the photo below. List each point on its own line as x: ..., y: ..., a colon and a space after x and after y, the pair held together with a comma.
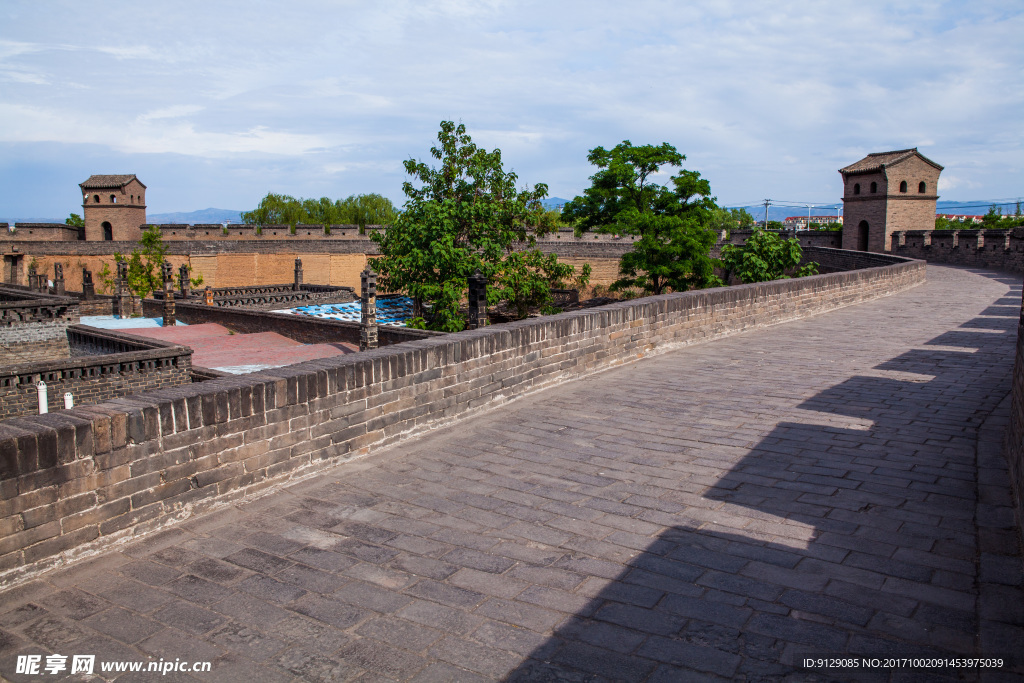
x: 767, y: 202
x: 808, y: 226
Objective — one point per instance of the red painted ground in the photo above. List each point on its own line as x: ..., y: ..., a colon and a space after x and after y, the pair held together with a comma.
x: 215, y: 347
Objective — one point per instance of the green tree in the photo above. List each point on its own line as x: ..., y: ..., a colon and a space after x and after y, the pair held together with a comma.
x: 466, y: 215
x: 75, y: 221
x: 776, y: 225
x: 765, y: 256
x: 144, y: 263
x: 993, y: 218
x: 672, y: 222
x: 361, y: 210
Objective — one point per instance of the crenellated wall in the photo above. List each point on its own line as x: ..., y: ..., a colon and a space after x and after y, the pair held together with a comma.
x: 82, y: 478
x: 996, y: 249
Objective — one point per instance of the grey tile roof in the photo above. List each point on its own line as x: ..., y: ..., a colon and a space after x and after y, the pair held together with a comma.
x: 877, y: 160
x: 109, y: 181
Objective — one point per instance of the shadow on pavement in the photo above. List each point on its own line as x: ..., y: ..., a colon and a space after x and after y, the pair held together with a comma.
x: 884, y: 540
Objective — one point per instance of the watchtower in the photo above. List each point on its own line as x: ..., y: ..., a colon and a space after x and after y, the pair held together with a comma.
x: 885, y: 192
x: 114, y: 207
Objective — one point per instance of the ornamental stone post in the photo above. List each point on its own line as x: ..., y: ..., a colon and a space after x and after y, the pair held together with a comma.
x: 88, y: 287
x: 124, y: 301
x: 183, y: 282
x: 368, y: 304
x: 477, y: 301
x: 298, y: 275
x: 58, y: 279
x: 169, y: 312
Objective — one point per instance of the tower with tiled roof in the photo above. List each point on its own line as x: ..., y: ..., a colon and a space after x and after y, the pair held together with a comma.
x: 114, y: 207
x: 886, y: 192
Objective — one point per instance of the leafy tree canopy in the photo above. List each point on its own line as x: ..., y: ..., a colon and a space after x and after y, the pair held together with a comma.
x: 463, y: 216
x: 765, y: 256
x: 731, y: 219
x: 361, y: 210
x: 75, y: 221
x: 672, y: 221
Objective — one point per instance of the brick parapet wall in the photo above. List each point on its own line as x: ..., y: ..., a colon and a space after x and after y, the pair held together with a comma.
x: 997, y: 249
x: 109, y: 365
x: 81, y: 479
x: 303, y: 329
x: 1013, y: 444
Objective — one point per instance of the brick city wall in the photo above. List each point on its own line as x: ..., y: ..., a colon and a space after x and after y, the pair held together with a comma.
x: 237, y: 261
x: 81, y: 478
x: 1013, y: 445
x: 104, y: 364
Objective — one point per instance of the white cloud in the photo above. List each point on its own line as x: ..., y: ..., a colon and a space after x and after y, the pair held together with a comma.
x: 765, y: 99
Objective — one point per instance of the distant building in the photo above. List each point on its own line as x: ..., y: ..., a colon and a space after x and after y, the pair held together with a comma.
x: 885, y: 192
x: 961, y: 218
x: 803, y: 223
x: 114, y: 207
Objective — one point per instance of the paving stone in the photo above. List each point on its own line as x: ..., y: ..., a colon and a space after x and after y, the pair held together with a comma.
x: 442, y: 672
x: 478, y: 658
x: 299, y: 630
x: 123, y: 625
x: 190, y: 618
x: 150, y: 573
x: 246, y: 640
x: 73, y: 603
x: 258, y: 561
x: 382, y: 658
x: 53, y: 632
x: 606, y: 663
x: 329, y: 611
x: 309, y: 665
x: 400, y: 633
x: 439, y: 616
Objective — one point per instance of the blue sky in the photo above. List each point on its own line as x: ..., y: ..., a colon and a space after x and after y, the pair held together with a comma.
x: 213, y: 104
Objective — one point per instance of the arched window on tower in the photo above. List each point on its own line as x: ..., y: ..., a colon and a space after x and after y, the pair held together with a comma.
x: 922, y: 187
x: 113, y: 199
x: 95, y: 199
x: 856, y: 188
x: 903, y: 186
x: 108, y: 231
x: 874, y: 188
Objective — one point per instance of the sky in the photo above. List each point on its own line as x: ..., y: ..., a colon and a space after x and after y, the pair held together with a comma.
x: 214, y: 104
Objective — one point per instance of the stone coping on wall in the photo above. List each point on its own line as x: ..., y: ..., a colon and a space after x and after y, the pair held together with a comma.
x: 75, y: 481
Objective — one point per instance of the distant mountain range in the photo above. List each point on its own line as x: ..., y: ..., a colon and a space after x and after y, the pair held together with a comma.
x: 201, y: 216
x: 775, y: 213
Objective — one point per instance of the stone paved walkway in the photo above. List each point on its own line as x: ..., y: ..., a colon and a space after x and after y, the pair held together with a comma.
x: 810, y: 489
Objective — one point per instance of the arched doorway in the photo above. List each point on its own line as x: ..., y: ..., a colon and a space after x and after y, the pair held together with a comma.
x: 108, y: 231
x: 862, y: 236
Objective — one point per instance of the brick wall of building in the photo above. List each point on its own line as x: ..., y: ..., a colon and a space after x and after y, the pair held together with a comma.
x: 104, y: 365
x: 93, y: 474
x: 33, y: 342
